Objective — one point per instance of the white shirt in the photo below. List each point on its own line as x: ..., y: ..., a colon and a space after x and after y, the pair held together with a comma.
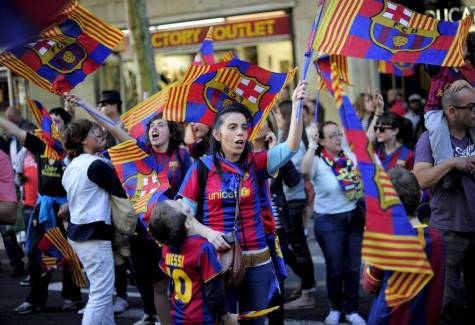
x: 87, y: 201
x: 329, y: 196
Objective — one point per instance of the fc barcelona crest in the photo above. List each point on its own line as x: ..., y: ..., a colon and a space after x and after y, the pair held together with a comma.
x: 63, y: 54
x: 145, y: 186
x: 398, y: 29
x: 230, y: 85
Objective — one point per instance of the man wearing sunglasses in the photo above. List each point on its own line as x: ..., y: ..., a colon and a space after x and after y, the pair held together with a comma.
x: 453, y: 208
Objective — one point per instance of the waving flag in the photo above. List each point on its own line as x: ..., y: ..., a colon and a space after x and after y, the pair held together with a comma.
x: 390, y: 242
x: 137, y: 173
x: 66, y: 52
x: 383, y: 30
x: 206, y: 53
x: 399, y: 69
x: 24, y: 20
x: 325, y: 68
x: 56, y: 251
x: 136, y: 119
x: 206, y: 89
x: 48, y: 133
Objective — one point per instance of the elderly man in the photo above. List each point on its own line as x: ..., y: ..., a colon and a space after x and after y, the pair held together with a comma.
x: 453, y: 208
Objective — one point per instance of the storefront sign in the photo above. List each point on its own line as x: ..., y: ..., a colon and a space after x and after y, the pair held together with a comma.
x: 451, y: 14
x: 223, y: 32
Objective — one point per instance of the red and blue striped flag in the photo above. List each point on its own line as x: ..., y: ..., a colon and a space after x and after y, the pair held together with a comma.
x: 66, y: 52
x: 136, y: 119
x: 48, y: 133
x: 206, y: 89
x: 23, y: 20
x: 390, y: 242
x: 399, y: 69
x: 56, y: 252
x: 137, y: 172
x: 384, y: 30
x: 206, y: 53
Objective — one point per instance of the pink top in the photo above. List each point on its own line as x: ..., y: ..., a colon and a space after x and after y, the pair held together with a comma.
x: 7, y: 182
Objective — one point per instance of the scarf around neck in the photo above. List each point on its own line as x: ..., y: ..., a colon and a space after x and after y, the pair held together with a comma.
x: 346, y: 173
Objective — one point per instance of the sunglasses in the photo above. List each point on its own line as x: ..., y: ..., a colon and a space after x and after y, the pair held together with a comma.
x: 470, y: 107
x: 382, y: 129
x: 105, y: 103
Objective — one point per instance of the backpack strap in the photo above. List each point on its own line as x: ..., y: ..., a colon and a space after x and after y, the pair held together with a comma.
x: 202, y: 179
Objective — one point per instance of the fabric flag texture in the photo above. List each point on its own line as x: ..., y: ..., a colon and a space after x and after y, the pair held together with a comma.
x: 137, y: 173
x: 208, y: 88
x: 206, y: 53
x: 136, y: 119
x: 66, y: 52
x: 56, y: 251
x: 341, y: 70
x: 24, y: 20
x: 389, y: 242
x: 48, y: 133
x: 383, y: 30
x: 399, y: 69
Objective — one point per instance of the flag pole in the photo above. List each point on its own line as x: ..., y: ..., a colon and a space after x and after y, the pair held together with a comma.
x: 309, y: 51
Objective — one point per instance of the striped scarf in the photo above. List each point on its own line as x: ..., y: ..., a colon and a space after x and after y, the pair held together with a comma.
x: 346, y: 174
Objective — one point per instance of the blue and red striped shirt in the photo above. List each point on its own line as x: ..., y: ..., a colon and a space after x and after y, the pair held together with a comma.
x: 220, y: 200
x: 189, y: 268
x: 402, y: 156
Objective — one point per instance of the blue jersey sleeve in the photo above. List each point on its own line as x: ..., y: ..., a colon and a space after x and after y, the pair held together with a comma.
x: 278, y: 157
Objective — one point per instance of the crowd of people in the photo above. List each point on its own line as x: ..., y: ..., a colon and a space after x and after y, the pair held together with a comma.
x: 227, y: 193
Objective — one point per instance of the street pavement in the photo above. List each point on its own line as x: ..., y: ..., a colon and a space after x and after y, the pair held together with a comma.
x: 12, y: 294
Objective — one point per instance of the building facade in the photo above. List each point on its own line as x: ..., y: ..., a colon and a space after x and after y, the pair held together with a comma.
x: 271, y: 33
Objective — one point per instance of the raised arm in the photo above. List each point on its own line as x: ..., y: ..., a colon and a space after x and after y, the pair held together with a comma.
x: 379, y: 104
x: 12, y: 129
x: 281, y: 154
x: 296, y: 127
x: 309, y: 157
x: 115, y: 129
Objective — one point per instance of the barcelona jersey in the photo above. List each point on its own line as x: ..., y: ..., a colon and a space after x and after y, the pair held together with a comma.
x: 189, y: 268
x: 175, y: 165
x: 219, y: 201
x: 402, y: 156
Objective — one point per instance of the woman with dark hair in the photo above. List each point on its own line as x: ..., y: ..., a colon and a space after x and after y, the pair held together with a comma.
x: 229, y: 198
x: 89, y: 182
x: 392, y: 141
x: 338, y: 223
x: 163, y: 143
x: 302, y: 264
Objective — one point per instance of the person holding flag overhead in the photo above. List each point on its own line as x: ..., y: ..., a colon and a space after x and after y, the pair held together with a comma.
x: 226, y: 198
x: 51, y: 196
x: 163, y: 145
x: 338, y: 221
x: 89, y: 181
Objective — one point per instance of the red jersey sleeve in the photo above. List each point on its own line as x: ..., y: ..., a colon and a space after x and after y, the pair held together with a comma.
x: 208, y: 262
x: 410, y: 160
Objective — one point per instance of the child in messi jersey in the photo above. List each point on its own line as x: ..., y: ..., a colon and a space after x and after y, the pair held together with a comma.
x: 191, y: 262
x: 425, y: 307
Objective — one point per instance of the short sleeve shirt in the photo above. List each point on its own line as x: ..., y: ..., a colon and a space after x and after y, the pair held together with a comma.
x: 452, y: 209
x: 189, y: 268
x: 7, y: 182
x: 50, y: 171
